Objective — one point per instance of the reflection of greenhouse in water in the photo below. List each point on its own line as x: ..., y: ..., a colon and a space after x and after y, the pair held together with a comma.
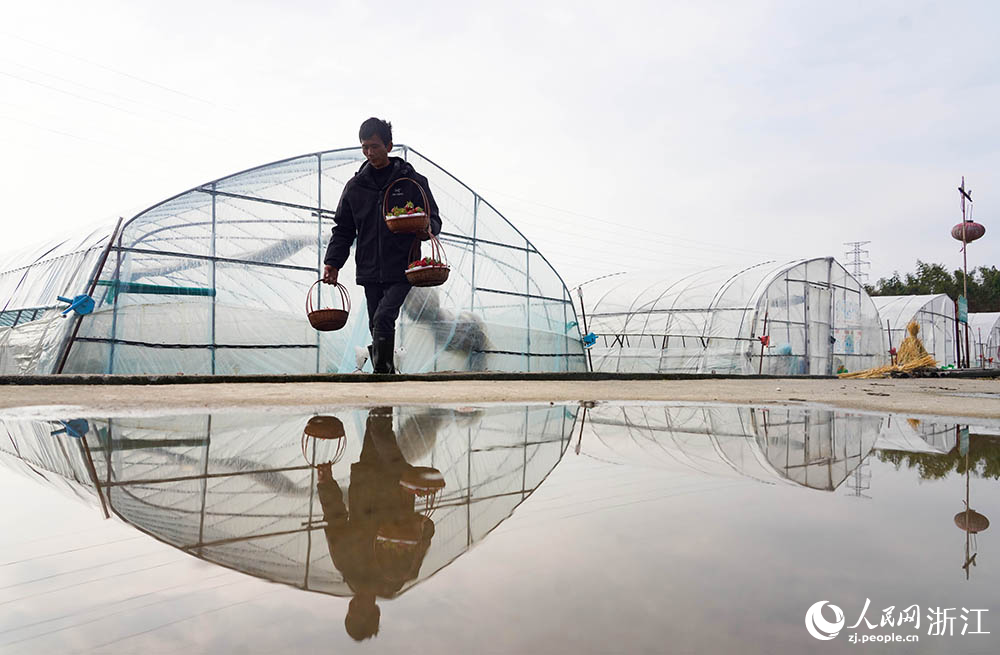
x: 916, y: 436
x: 214, y: 280
x: 935, y: 314
x: 239, y: 491
x: 815, y: 317
x: 813, y: 448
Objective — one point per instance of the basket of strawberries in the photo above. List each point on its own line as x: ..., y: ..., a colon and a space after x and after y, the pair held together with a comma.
x: 329, y: 319
x: 409, y: 218
x: 400, y: 545
x: 423, y: 482
x: 428, y: 271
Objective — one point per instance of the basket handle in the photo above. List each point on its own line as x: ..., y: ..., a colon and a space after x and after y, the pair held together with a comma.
x: 437, y: 250
x: 385, y: 200
x: 341, y: 447
x: 345, y: 298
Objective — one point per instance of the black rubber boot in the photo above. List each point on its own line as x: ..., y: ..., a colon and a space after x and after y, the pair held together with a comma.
x: 384, y: 347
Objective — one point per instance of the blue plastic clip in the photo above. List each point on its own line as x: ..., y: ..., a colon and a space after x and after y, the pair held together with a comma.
x: 82, y: 304
x: 75, y: 428
x: 589, y: 340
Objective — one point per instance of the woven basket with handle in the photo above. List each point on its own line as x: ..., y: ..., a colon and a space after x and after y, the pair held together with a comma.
x: 430, y: 275
x: 407, y: 223
x: 329, y: 319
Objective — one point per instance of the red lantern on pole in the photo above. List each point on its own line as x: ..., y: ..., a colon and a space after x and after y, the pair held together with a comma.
x: 972, y: 229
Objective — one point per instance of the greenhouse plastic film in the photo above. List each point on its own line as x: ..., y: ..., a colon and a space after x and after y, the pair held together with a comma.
x: 213, y: 281
x: 817, y: 318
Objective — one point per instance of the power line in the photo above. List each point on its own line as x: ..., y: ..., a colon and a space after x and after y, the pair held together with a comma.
x: 70, y: 550
x: 198, y: 126
x: 115, y: 71
x: 646, y: 234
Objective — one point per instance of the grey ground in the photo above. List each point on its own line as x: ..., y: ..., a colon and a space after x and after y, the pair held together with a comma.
x: 942, y: 397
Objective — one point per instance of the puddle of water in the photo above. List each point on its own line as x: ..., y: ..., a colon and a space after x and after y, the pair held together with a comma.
x: 974, y: 394
x: 577, y: 528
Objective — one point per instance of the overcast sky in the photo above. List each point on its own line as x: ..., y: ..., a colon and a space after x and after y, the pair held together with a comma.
x: 615, y: 135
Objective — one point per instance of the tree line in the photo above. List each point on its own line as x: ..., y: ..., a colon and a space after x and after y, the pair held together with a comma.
x: 983, y: 460
x: 984, y: 285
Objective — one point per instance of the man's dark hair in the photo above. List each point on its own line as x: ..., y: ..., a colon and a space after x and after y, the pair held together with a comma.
x: 374, y: 126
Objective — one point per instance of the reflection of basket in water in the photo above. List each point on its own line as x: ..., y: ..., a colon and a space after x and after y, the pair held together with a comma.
x: 327, y: 437
x: 400, y: 545
x: 407, y: 223
x: 424, y: 482
x: 326, y: 320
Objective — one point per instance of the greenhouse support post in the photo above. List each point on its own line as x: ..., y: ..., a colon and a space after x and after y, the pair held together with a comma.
x: 760, y: 368
x: 213, y: 252
x: 90, y: 292
x: 968, y: 362
x: 583, y: 315
x: 888, y: 330
x: 527, y: 301
x: 958, y: 339
x: 319, y: 244
x: 475, y: 222
x: 524, y: 460
x: 88, y: 461
x: 204, y: 483
x: 565, y: 333
x: 468, y: 491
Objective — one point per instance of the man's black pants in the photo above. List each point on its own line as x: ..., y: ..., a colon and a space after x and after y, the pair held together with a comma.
x: 384, y: 302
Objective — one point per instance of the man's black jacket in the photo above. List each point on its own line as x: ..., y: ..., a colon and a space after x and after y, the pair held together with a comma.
x: 380, y: 255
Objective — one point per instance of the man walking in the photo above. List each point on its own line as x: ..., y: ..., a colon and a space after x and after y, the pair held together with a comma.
x: 381, y: 257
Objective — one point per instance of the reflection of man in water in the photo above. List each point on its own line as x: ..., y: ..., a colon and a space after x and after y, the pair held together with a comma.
x: 377, y: 541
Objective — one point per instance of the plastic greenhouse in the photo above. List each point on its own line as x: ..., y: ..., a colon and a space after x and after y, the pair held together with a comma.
x: 214, y: 281
x: 242, y: 491
x: 814, y: 317
x: 984, y: 339
x: 935, y: 314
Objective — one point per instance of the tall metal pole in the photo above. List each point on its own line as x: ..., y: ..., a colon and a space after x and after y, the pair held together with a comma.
x: 966, y: 195
x: 965, y: 268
